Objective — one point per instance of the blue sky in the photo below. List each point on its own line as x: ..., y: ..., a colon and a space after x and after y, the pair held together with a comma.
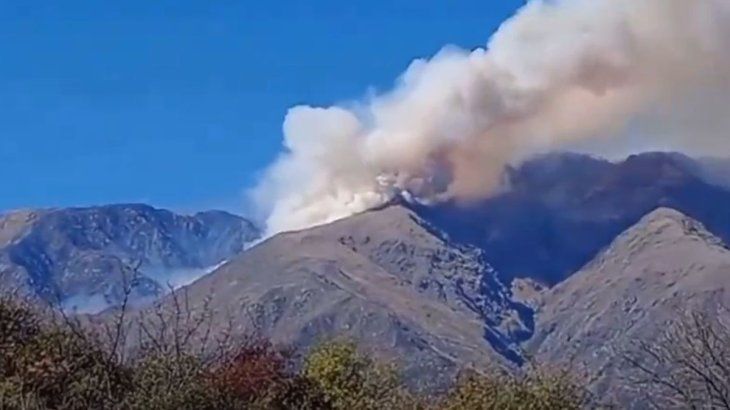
x: 179, y: 103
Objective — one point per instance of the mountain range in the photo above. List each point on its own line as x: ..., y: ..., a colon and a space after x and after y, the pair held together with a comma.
x: 572, y: 261
x: 86, y: 258
x: 560, y: 210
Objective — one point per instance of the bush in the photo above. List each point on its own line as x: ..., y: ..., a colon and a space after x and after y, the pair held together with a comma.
x: 174, y: 382
x: 18, y: 325
x: 256, y: 366
x: 59, y: 366
x: 538, y: 390
x: 54, y: 367
x: 349, y: 380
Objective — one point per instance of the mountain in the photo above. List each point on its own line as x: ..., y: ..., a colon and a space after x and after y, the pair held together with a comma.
x: 82, y: 256
x: 436, y: 288
x: 384, y: 278
x: 559, y: 210
x: 664, y: 265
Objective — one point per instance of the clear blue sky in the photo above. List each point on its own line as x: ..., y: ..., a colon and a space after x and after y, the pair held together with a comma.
x: 179, y: 103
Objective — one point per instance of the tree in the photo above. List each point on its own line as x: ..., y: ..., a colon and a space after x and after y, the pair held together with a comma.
x: 688, y: 366
x: 535, y: 389
x: 49, y: 366
x: 353, y: 381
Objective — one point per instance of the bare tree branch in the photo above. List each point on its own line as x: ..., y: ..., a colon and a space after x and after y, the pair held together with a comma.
x: 687, y: 367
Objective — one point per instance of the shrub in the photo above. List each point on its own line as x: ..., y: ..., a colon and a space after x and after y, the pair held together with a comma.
x: 296, y: 392
x: 174, y: 382
x: 352, y: 381
x: 537, y: 390
x: 255, y: 367
x: 18, y: 324
x: 53, y: 367
x: 59, y: 366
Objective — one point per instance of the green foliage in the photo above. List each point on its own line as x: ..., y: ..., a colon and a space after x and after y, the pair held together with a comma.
x: 53, y: 367
x: 56, y: 366
x: 352, y: 381
x: 295, y: 392
x: 174, y: 382
x: 12, y: 396
x: 18, y: 325
x: 539, y: 390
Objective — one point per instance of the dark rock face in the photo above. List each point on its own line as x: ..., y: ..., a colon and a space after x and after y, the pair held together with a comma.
x: 561, y: 209
x: 88, y: 253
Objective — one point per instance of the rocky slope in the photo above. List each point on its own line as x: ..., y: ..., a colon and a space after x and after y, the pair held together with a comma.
x: 384, y: 278
x: 82, y: 256
x: 561, y: 209
x: 666, y: 264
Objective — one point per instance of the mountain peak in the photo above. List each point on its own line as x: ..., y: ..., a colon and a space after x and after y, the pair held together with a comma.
x: 666, y: 226
x: 392, y: 220
x: 663, y: 213
x: 383, y: 277
x: 664, y: 264
x: 658, y: 220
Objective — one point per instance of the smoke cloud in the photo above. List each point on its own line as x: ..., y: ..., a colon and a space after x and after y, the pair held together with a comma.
x: 557, y: 73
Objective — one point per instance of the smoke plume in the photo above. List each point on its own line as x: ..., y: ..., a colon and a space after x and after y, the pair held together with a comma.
x: 558, y: 72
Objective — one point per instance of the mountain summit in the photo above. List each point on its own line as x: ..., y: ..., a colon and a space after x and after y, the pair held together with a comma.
x: 384, y: 278
x: 664, y: 265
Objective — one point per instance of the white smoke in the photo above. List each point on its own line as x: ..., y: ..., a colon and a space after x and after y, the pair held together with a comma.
x: 557, y: 73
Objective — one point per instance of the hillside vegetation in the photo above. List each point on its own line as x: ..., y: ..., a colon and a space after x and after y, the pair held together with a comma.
x: 58, y: 364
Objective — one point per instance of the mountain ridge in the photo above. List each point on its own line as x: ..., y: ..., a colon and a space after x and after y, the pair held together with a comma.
x: 382, y: 277
x: 561, y: 209
x: 619, y: 246
x: 666, y: 264
x: 72, y: 254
